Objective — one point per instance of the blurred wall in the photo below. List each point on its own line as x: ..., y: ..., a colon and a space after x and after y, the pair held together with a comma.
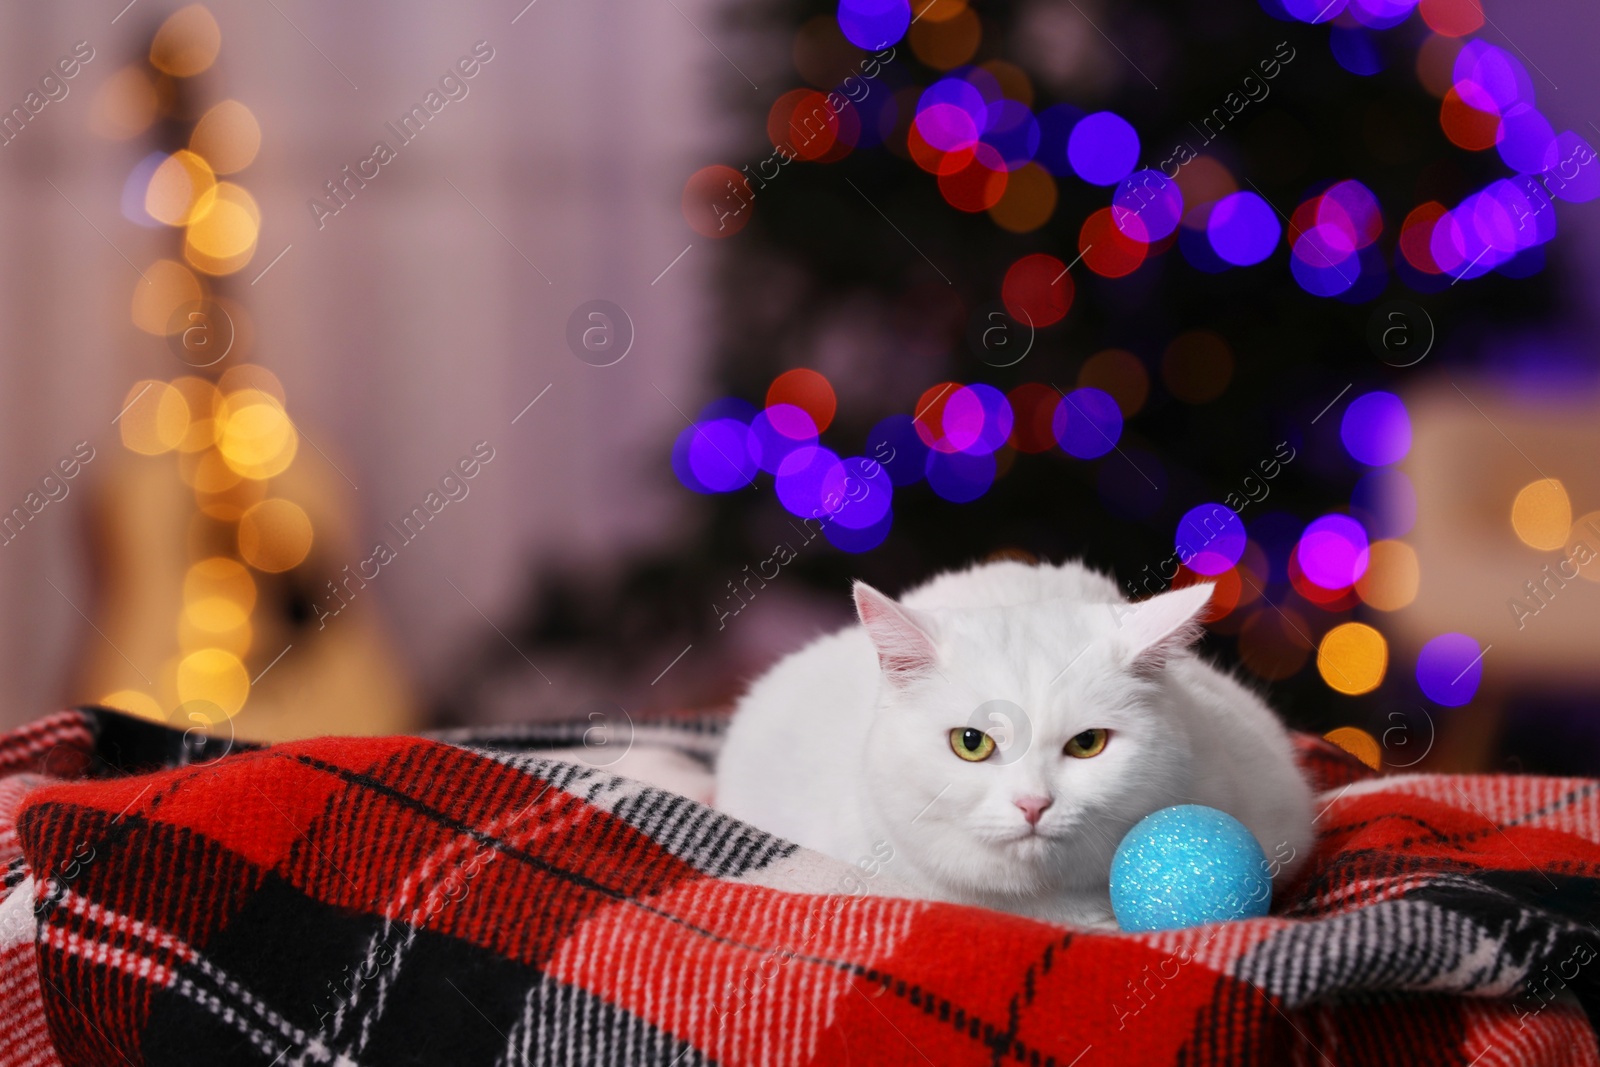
x: 421, y: 319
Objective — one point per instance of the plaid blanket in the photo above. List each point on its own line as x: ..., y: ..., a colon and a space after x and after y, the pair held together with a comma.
x: 458, y: 900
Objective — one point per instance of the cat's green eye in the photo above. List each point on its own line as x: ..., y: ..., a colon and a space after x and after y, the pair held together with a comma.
x: 974, y: 746
x: 1089, y: 743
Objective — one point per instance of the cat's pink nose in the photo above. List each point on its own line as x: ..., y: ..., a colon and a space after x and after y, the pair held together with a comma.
x: 1032, y: 807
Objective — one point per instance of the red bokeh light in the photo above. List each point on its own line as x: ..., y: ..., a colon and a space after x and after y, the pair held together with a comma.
x: 975, y: 187
x: 1470, y: 118
x: 1037, y: 289
x: 1416, y: 236
x: 717, y: 201
x: 1452, y: 18
x: 1106, y: 250
x: 806, y: 390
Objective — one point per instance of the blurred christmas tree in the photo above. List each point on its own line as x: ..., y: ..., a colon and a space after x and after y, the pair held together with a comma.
x: 1070, y: 272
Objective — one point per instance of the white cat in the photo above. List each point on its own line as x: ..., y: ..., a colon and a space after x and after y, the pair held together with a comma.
x: 999, y: 731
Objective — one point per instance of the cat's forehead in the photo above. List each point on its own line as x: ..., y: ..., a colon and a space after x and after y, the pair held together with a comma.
x: 1044, y: 654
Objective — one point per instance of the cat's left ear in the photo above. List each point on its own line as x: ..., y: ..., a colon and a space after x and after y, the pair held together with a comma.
x: 1163, y: 625
x: 905, y: 650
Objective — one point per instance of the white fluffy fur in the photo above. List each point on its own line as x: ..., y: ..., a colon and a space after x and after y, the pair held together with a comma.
x: 845, y: 743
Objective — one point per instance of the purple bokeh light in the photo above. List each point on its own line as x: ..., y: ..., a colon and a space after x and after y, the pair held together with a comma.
x: 1087, y: 423
x: 960, y: 477
x: 1103, y: 148
x: 1243, y: 229
x: 1147, y: 206
x: 1449, y: 669
x: 1333, y: 551
x: 874, y: 24
x: 1210, y: 539
x: 1376, y: 429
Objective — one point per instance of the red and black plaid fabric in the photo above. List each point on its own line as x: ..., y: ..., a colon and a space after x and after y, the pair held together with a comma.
x: 409, y: 900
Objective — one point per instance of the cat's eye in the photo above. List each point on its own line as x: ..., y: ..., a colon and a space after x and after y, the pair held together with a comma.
x: 974, y: 746
x: 1089, y: 743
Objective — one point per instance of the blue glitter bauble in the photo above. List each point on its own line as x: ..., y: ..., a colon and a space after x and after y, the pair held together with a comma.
x: 1187, y: 865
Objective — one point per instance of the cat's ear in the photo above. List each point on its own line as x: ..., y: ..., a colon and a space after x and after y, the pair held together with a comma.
x: 1163, y: 625
x: 904, y: 648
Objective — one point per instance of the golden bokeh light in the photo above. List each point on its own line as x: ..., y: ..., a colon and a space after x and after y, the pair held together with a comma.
x: 222, y: 237
x: 202, y: 398
x: 1436, y: 61
x: 1392, y: 576
x: 1360, y: 744
x: 1028, y: 202
x: 167, y: 285
x: 1197, y: 366
x: 180, y: 190
x: 822, y: 55
x: 1352, y: 658
x: 125, y: 104
x: 207, y: 472
x: 234, y: 641
x: 187, y: 43
x: 155, y: 418
x: 1542, y: 514
x: 227, y: 137
x: 133, y: 702
x: 947, y: 44
x: 252, y: 376
x: 274, y: 535
x: 219, y: 578
x: 214, y: 674
x: 1121, y: 374
x: 229, y: 505
x: 254, y: 434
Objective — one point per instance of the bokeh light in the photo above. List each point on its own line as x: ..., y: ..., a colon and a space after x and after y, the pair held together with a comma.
x: 1541, y: 514
x: 717, y: 201
x: 154, y: 418
x: 186, y: 43
x: 801, y: 480
x: 1115, y: 371
x: 1352, y: 658
x: 1376, y: 429
x: 874, y: 24
x: 1449, y: 669
x: 1106, y: 250
x: 807, y: 390
x: 978, y: 183
x: 1210, y: 539
x: 1103, y: 148
x: 776, y: 432
x: 1028, y: 201
x: 214, y: 675
x: 227, y: 137
x: 1452, y: 18
x: 1392, y: 576
x: 1243, y: 229
x: 133, y: 702
x: 275, y: 535
x: 865, y: 489
x: 180, y: 189
x: 1087, y: 423
x: 960, y: 477
x: 254, y: 434
x: 948, y: 42
x: 167, y: 285
x: 1037, y: 290
x: 1147, y: 206
x: 717, y: 455
x: 1033, y: 406
x: 1360, y: 744
x: 1333, y: 551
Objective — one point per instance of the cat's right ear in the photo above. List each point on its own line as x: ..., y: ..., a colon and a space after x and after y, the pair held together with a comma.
x: 905, y: 650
